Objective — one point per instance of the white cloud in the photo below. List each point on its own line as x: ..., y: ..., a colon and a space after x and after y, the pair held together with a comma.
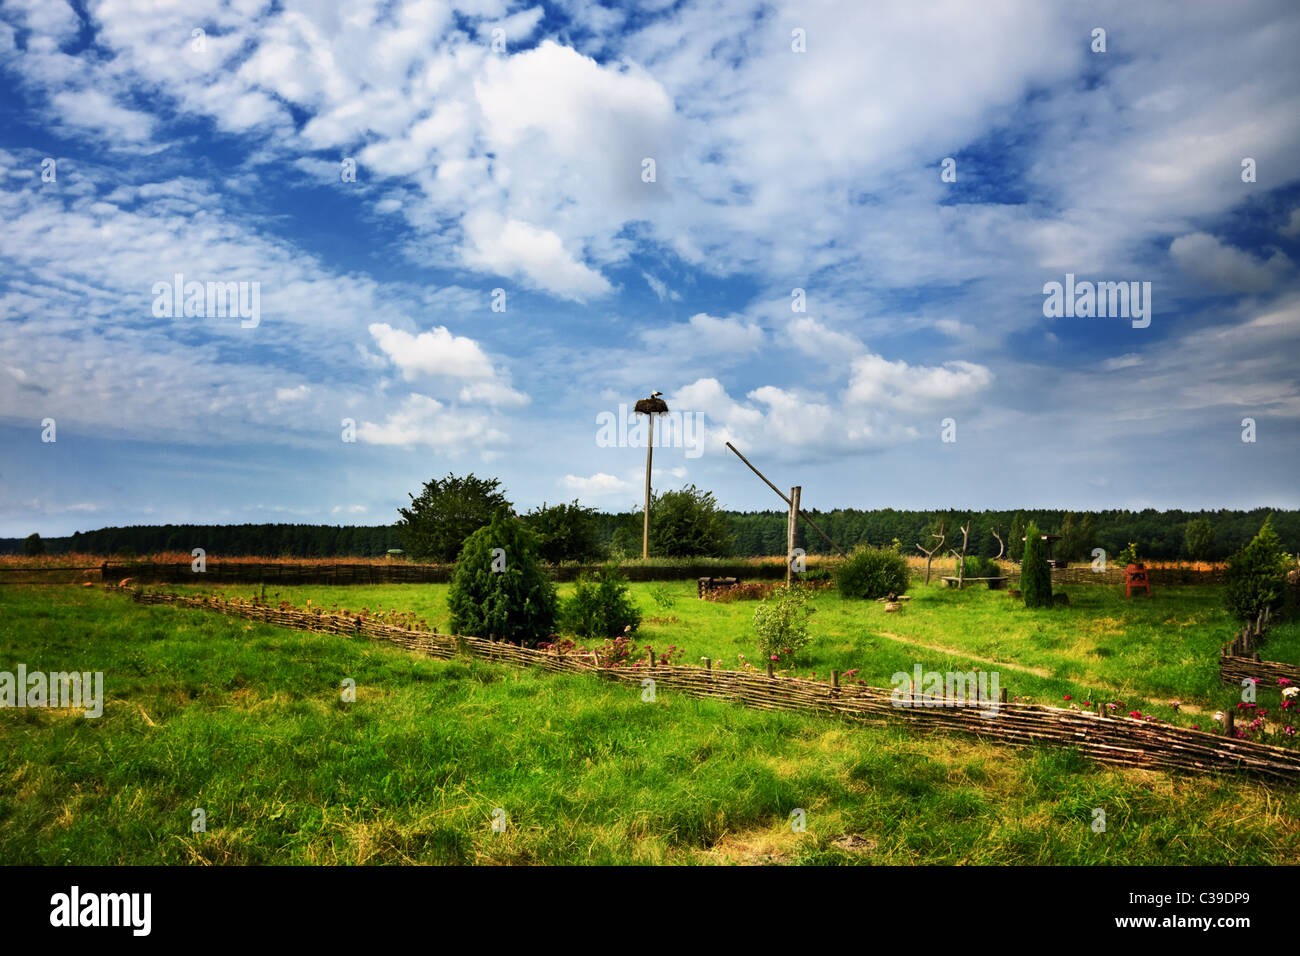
x: 596, y: 485
x: 510, y: 247
x: 1201, y: 255
x: 422, y: 420
x: 703, y: 334
x: 878, y: 382
x: 436, y: 352
x: 1130, y: 360
x: 96, y: 111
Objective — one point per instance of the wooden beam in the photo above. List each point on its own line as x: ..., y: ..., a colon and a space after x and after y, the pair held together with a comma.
x: 785, y: 499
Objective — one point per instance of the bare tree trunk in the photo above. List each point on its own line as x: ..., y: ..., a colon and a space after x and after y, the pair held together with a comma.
x: 929, y: 555
x: 1002, y: 547
x: 961, y: 561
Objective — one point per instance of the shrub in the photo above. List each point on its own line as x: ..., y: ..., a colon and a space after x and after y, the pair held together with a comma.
x: 1128, y: 556
x: 1035, y: 575
x: 601, y: 605
x: 870, y: 573
x: 510, y: 599
x: 663, y: 597
x: 33, y: 546
x: 981, y: 568
x: 1256, y: 575
x: 782, y: 623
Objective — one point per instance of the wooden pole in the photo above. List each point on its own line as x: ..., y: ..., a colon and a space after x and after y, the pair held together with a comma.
x: 649, y: 457
x: 791, y: 530
x: 802, y: 514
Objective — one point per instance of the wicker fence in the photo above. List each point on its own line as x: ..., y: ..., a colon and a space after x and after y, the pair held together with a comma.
x: 1239, y: 659
x: 1122, y: 741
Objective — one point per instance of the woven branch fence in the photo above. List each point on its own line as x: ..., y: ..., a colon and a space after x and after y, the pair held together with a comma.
x: 1239, y: 658
x: 1123, y: 741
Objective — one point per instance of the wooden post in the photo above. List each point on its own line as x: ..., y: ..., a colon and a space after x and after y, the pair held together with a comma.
x: 708, y: 663
x: 791, y: 529
x: 652, y: 656
x: 769, y: 669
x: 1002, y: 694
x: 649, y: 457
x: 1230, y: 722
x: 835, y: 679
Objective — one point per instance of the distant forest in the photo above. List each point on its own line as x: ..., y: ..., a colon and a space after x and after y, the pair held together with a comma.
x: 1160, y: 535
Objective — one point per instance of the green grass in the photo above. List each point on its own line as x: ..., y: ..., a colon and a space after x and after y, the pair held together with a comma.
x: 1142, y: 652
x: 246, y: 721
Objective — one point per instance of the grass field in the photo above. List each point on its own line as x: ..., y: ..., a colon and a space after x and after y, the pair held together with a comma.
x: 246, y: 721
x: 1143, y: 653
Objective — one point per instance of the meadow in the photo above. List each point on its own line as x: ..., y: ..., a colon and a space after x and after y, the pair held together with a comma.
x: 246, y: 721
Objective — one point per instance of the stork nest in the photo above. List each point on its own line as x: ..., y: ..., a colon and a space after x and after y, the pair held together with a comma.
x: 651, y: 406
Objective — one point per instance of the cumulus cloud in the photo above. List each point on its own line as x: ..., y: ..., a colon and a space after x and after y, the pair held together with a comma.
x: 510, y: 247
x: 422, y: 420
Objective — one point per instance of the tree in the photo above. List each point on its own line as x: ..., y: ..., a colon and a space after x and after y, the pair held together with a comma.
x: 1256, y: 575
x: 688, y: 524
x: 447, y: 512
x: 499, y: 589
x: 33, y: 546
x: 565, y: 532
x: 1200, y: 538
x: 1035, y: 575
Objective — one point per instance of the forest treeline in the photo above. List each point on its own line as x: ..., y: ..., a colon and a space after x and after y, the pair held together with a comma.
x: 1160, y: 535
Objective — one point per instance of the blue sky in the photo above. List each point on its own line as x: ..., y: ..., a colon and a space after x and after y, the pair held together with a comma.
x: 218, y: 155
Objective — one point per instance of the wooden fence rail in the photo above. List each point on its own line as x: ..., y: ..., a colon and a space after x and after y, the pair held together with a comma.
x: 1122, y: 741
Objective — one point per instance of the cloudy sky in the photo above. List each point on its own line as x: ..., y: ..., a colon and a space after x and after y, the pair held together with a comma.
x: 474, y: 229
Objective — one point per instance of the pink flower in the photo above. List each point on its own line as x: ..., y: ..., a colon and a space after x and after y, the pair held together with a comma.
x: 1067, y: 697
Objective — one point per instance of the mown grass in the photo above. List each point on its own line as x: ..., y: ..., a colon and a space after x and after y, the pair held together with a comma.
x: 246, y: 721
x: 1144, y: 653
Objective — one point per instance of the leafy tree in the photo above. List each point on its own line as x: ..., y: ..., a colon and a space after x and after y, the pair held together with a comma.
x: 447, y: 512
x: 33, y: 546
x: 1200, y: 538
x: 601, y: 605
x: 565, y: 532
x: 1256, y: 575
x: 1035, y: 575
x: 688, y: 524
x: 499, y: 589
